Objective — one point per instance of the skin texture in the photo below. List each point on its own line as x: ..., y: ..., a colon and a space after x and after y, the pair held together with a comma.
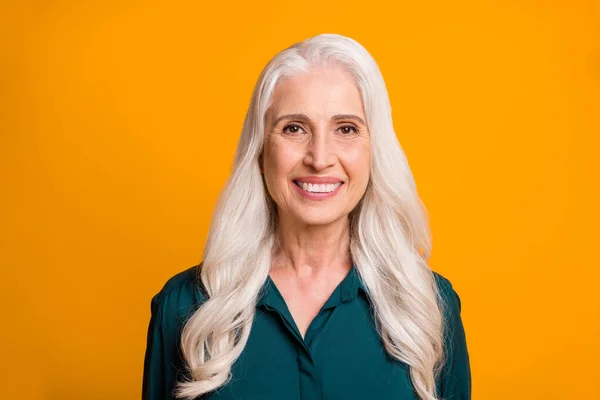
x: 314, y: 253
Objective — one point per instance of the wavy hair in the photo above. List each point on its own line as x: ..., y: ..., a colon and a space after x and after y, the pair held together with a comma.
x: 390, y: 240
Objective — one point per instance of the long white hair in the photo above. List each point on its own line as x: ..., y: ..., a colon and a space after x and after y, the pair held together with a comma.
x: 390, y: 240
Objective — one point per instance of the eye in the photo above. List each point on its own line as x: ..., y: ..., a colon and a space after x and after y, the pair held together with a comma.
x: 348, y: 129
x: 293, y: 128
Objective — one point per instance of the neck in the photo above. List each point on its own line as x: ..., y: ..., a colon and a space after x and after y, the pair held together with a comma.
x: 309, y: 250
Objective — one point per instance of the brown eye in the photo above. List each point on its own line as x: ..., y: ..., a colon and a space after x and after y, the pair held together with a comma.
x: 348, y: 129
x: 292, y: 128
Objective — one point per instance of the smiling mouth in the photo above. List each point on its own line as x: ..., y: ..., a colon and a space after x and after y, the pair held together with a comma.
x: 318, y: 188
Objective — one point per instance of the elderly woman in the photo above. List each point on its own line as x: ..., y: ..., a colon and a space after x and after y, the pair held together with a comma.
x: 314, y: 282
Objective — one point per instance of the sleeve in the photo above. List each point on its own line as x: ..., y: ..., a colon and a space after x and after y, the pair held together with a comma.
x: 158, y: 377
x: 455, y: 378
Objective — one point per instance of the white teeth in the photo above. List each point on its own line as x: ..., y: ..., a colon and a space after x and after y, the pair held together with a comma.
x: 314, y: 188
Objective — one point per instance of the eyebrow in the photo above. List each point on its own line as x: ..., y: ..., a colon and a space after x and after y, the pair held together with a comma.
x: 337, y: 117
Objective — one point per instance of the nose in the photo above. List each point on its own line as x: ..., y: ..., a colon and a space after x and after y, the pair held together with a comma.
x: 320, y: 152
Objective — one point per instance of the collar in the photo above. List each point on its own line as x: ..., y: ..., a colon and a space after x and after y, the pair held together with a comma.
x: 271, y: 297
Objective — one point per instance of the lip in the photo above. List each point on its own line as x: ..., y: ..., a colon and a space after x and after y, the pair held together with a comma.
x: 317, y: 196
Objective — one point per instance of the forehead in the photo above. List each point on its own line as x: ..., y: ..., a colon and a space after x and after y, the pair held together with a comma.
x: 320, y: 91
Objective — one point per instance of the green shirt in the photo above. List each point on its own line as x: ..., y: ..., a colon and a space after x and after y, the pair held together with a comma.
x: 341, y: 356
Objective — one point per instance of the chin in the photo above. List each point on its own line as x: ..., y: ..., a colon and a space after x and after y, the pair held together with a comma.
x: 316, y: 218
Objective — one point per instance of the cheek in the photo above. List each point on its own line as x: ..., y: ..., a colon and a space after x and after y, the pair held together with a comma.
x: 279, y: 163
x: 281, y: 159
x: 358, y: 162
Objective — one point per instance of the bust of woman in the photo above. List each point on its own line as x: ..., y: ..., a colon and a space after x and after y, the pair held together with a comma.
x: 314, y: 282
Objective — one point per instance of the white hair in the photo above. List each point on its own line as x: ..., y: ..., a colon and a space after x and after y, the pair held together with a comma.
x: 390, y: 240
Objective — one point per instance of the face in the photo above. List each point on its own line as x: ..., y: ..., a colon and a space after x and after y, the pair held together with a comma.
x: 317, y: 155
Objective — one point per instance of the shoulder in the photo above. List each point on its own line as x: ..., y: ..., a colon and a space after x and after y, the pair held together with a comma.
x: 447, y: 292
x: 179, y: 296
x: 185, y: 280
x: 442, y: 282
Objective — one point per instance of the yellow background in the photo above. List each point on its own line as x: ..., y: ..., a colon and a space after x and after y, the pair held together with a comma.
x: 118, y: 126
